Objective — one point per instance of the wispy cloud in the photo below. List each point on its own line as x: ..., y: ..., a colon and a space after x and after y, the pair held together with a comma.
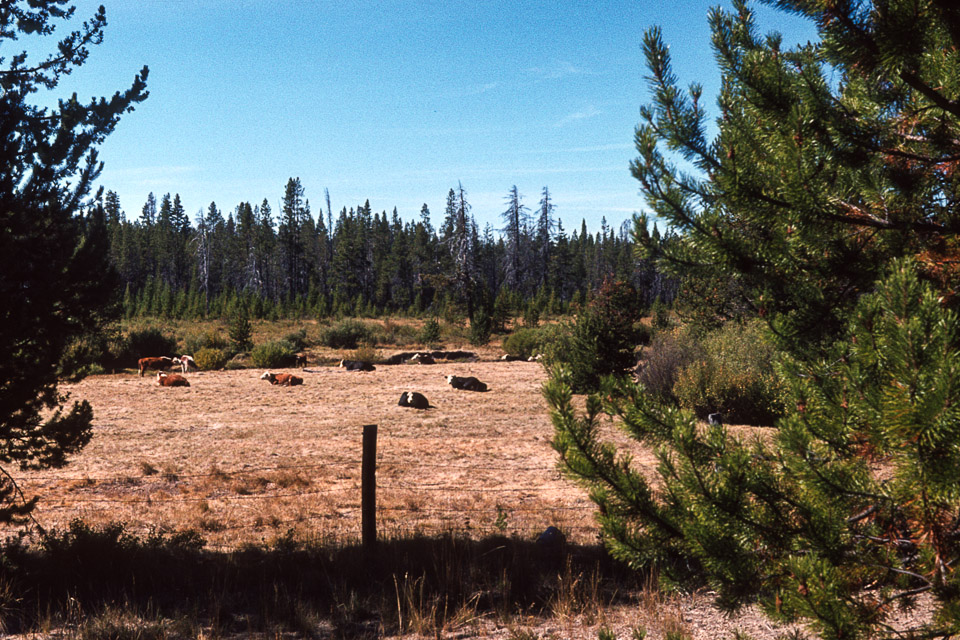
x: 558, y: 70
x: 590, y: 111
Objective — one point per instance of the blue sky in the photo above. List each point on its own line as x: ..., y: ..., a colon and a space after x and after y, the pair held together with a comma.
x: 391, y: 101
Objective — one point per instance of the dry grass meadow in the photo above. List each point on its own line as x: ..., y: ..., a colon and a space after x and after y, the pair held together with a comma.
x: 242, y: 460
x: 246, y: 464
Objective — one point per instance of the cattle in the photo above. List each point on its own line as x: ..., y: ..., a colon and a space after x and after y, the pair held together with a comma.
x: 163, y: 362
x: 185, y: 363
x: 715, y: 419
x: 301, y: 359
x: 413, y: 399
x: 510, y: 358
x: 422, y: 358
x: 171, y: 380
x: 282, y: 379
x: 356, y: 365
x: 536, y: 358
x: 466, y: 383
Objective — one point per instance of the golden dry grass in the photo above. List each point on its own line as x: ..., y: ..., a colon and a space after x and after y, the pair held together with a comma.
x: 243, y: 461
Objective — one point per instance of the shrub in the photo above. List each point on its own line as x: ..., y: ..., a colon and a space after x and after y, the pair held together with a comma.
x: 524, y: 342
x: 145, y: 343
x: 604, y: 337
x: 210, y: 359
x: 347, y: 334
x: 209, y: 339
x: 481, y: 327
x: 298, y: 339
x: 430, y: 333
x: 664, y: 359
x: 278, y: 353
x: 734, y: 374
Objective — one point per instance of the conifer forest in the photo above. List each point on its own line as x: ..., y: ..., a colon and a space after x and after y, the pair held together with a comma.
x: 291, y: 262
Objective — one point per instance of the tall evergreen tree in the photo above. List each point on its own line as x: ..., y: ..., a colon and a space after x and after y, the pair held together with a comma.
x: 516, y: 219
x: 55, y: 279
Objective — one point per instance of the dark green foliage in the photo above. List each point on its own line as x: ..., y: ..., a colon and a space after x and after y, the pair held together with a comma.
x: 802, y: 523
x: 298, y: 339
x: 56, y: 283
x: 347, y: 334
x: 149, y: 343
x: 430, y: 332
x: 241, y: 331
x: 278, y: 353
x: 604, y: 337
x: 525, y: 342
x: 481, y: 327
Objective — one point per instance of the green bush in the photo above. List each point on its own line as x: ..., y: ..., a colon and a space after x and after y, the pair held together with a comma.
x: 149, y: 343
x: 278, y: 353
x: 210, y: 359
x: 347, y: 334
x: 734, y: 374
x: 298, y: 339
x: 524, y: 342
x: 210, y: 339
x: 430, y: 333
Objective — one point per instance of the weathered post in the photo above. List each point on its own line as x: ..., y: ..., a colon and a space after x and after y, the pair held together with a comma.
x: 368, y: 486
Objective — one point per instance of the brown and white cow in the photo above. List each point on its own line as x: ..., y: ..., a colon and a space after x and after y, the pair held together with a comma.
x: 282, y: 379
x: 171, y: 380
x: 163, y: 362
x: 186, y: 362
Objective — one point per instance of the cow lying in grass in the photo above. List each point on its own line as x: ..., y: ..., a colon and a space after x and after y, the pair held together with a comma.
x: 466, y: 383
x: 413, y: 399
x: 356, y: 365
x: 171, y: 380
x: 282, y: 379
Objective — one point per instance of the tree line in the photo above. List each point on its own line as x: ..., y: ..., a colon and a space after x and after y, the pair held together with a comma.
x: 292, y: 263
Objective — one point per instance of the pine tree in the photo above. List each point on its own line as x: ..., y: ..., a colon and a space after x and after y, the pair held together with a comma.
x: 48, y: 247
x: 516, y: 218
x: 832, y: 162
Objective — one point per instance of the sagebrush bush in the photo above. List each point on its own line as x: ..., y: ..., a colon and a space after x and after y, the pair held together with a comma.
x: 664, y: 359
x: 734, y: 374
x: 347, y: 334
x: 278, y: 353
x: 210, y: 359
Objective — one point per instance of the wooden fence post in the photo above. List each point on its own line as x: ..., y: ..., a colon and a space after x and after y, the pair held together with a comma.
x: 368, y: 486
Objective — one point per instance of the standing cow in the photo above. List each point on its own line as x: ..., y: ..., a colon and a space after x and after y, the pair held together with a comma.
x: 161, y: 363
